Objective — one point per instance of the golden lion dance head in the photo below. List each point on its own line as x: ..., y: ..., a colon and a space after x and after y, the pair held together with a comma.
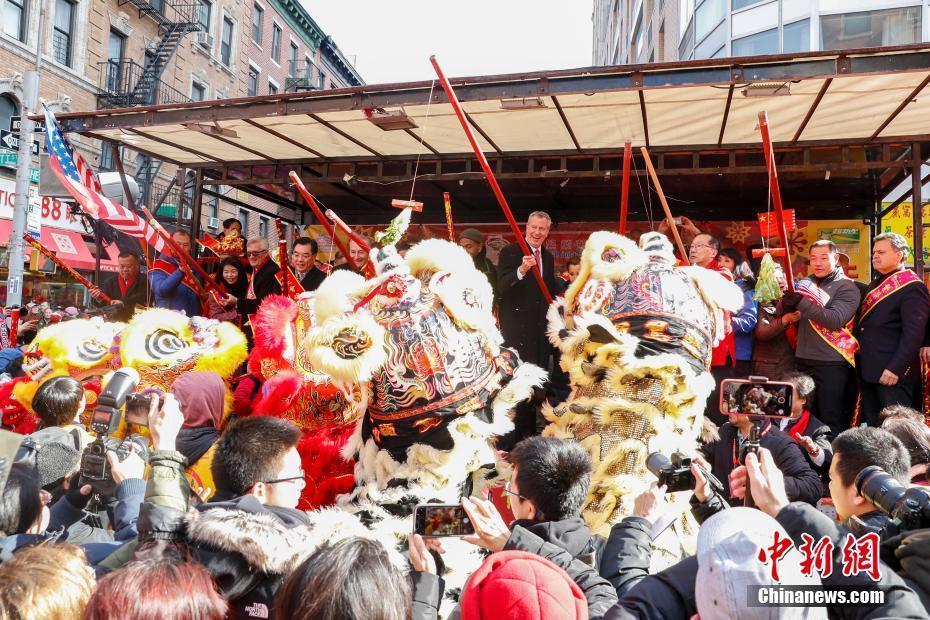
x: 636, y: 335
x: 161, y: 344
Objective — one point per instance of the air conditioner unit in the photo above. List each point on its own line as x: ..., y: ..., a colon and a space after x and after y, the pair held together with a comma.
x: 205, y: 39
x: 214, y: 223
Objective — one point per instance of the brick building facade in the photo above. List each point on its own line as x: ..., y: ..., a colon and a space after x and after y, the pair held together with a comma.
x: 96, y: 52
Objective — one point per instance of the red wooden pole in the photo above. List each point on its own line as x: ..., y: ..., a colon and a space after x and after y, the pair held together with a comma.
x: 348, y: 230
x: 776, y: 195
x: 64, y: 266
x: 489, y: 174
x: 318, y: 213
x: 625, y: 185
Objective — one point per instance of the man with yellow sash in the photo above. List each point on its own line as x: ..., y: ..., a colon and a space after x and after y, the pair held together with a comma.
x: 826, y: 346
x: 890, y: 329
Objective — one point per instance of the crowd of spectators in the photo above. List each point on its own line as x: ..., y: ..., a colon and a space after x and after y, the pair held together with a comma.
x: 150, y: 546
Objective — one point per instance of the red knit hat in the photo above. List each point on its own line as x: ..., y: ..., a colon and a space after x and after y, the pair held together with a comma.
x: 518, y: 584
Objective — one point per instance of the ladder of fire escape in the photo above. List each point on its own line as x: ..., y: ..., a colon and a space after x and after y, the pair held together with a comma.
x: 175, y: 20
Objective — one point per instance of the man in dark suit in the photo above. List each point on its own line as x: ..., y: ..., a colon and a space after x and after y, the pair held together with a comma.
x: 891, y: 325
x: 522, y: 305
x: 303, y: 261
x: 263, y: 281
x: 128, y: 289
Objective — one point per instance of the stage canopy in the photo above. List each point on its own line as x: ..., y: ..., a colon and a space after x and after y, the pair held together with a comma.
x: 848, y: 126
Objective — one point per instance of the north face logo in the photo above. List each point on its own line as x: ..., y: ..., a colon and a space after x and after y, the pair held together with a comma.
x: 258, y: 610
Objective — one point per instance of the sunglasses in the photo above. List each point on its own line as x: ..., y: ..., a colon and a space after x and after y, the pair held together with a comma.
x: 255, y: 253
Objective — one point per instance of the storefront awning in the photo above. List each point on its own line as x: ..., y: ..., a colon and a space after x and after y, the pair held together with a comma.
x: 69, y: 246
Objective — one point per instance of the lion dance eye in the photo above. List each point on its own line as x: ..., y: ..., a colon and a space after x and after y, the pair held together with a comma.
x: 162, y: 343
x: 91, y: 351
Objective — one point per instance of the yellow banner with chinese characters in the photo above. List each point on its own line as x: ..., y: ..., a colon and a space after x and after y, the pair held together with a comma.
x: 901, y: 221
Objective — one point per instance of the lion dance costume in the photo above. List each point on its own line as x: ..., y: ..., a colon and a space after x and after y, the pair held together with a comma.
x: 636, y: 334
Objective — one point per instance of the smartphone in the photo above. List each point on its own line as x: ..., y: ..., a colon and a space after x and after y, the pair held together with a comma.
x: 436, y: 520
x: 756, y: 397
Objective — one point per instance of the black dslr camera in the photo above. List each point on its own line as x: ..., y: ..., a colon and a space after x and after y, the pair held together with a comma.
x: 908, y: 506
x: 676, y: 474
x: 95, y: 468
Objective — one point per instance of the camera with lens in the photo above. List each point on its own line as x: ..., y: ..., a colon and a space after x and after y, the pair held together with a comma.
x: 95, y: 468
x: 908, y: 506
x: 675, y: 473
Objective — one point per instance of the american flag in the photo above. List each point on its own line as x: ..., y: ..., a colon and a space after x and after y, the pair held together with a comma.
x: 81, y: 182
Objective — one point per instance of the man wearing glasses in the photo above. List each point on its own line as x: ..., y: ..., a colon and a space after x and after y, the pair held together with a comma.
x: 242, y: 534
x: 262, y: 283
x: 703, y: 253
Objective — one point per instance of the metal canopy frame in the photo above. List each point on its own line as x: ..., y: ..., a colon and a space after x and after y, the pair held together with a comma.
x: 876, y: 162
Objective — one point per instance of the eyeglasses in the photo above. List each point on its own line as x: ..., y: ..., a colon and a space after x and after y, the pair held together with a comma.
x: 255, y: 253
x: 699, y: 245
x: 509, y: 493
x: 300, y: 480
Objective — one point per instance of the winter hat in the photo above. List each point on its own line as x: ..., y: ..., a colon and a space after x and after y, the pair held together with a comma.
x: 518, y: 584
x: 472, y: 234
x: 728, y: 553
x: 71, y: 311
x: 202, y: 396
x: 55, y: 461
x: 9, y: 357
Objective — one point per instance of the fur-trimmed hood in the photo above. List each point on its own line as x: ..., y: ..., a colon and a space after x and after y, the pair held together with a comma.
x: 271, y: 540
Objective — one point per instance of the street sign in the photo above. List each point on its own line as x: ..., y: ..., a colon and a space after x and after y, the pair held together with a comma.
x: 9, y: 159
x: 10, y: 140
x: 15, y: 121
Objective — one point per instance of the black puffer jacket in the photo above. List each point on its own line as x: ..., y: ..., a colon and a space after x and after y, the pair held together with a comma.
x: 250, y: 548
x: 802, y: 484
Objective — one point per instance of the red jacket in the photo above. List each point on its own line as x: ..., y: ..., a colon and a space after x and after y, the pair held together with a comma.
x: 727, y: 346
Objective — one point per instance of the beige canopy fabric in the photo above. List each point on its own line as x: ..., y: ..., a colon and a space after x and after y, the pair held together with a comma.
x: 828, y: 97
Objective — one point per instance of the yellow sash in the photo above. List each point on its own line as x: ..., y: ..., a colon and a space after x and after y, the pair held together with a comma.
x: 883, y: 291
x: 840, y: 340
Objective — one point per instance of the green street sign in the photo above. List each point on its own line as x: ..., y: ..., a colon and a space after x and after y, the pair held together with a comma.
x: 8, y: 160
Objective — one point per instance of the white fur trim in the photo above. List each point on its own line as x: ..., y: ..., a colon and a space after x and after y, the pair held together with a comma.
x: 438, y: 255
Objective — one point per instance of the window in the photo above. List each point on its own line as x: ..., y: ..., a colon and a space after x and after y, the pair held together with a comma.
x: 322, y: 79
x: 116, y: 47
x: 276, y: 43
x: 796, y: 37
x: 292, y: 68
x: 272, y: 88
x: 61, y: 33
x: 14, y: 19
x: 252, y: 85
x: 258, y: 14
x: 204, y: 10
x: 106, y: 156
x: 198, y: 91
x: 739, y: 4
x: 755, y: 44
x: 305, y: 70
x: 262, y: 226
x: 8, y: 108
x: 243, y: 216
x: 707, y: 16
x: 871, y: 28
x: 712, y: 42
x: 226, y: 42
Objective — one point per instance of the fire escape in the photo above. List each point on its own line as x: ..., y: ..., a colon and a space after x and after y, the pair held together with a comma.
x: 126, y: 83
